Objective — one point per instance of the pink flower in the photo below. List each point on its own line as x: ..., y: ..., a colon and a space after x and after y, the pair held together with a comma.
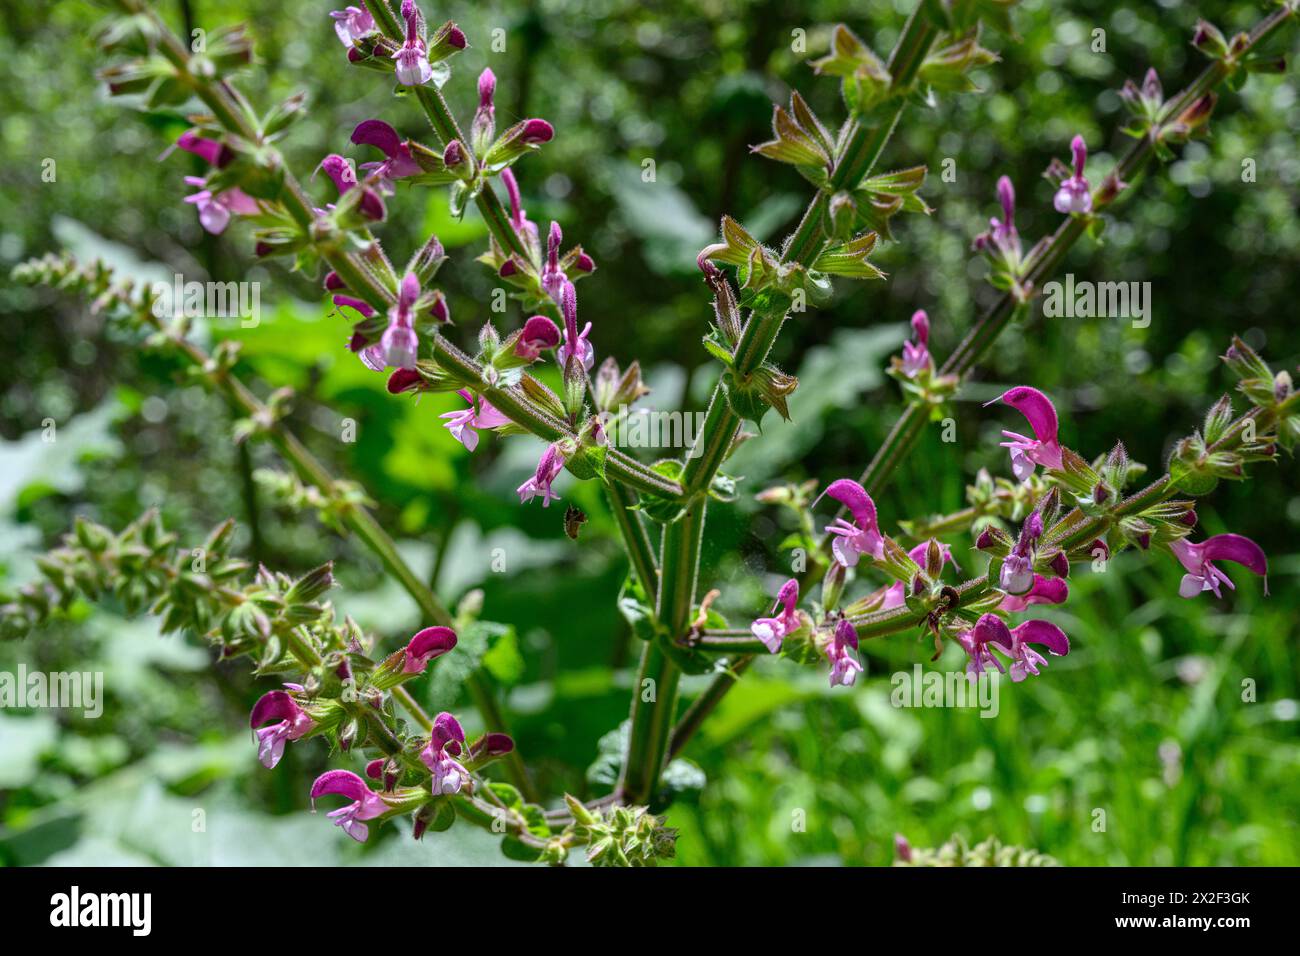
x: 524, y: 228
x: 352, y: 23
x: 461, y: 424
x: 1017, y: 575
x: 430, y: 643
x: 842, y: 654
x: 1042, y: 591
x: 991, y: 631
x: 538, y: 334
x: 1002, y: 235
x: 916, y: 355
x: 344, y: 177
x: 399, y: 345
x: 290, y: 723
x: 549, y: 467
x: 568, y: 300
x: 1075, y: 195
x: 1043, y: 449
x: 772, y: 630
x: 553, y: 277
x: 446, y: 743
x: 1198, y: 559
x: 365, y: 805
x: 215, y: 209
x: 400, y: 162
x: 853, y: 540
x: 413, y: 68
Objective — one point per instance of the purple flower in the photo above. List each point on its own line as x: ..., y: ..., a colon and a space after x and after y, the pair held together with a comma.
x: 211, y: 151
x: 549, y: 467
x: 344, y: 177
x: 842, y: 654
x: 1042, y: 591
x: 215, y: 209
x: 1198, y: 559
x: 426, y: 645
x: 1002, y: 234
x: 568, y: 299
x: 462, y: 423
x: 413, y: 68
x: 290, y: 723
x: 352, y: 23
x: 365, y: 805
x: 991, y: 631
x: 400, y: 162
x: 399, y: 344
x: 1043, y: 449
x: 553, y: 277
x: 1075, y: 195
x: 916, y: 355
x: 1017, y: 575
x: 772, y: 630
x: 524, y: 228
x: 853, y: 540
x: 538, y: 334
x: 484, y: 124
x: 446, y: 743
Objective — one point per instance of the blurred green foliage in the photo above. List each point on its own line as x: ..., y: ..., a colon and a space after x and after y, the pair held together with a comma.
x: 1144, y: 720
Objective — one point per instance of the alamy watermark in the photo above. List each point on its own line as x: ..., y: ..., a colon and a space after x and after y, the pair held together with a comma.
x: 638, y: 428
x: 1098, y: 300
x: 208, y: 300
x: 931, y: 688
x: 61, y: 690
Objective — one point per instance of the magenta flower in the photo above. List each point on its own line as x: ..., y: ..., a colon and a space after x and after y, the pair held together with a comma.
x: 461, y: 424
x: 413, y: 68
x: 568, y: 300
x: 352, y: 23
x: 365, y: 805
x: 290, y: 723
x: 1075, y: 195
x: 524, y: 228
x: 1042, y: 591
x: 399, y: 344
x: 538, y: 335
x: 211, y: 151
x: 553, y: 277
x: 990, y: 631
x: 853, y: 540
x: 215, y: 209
x: 549, y: 467
x: 1017, y: 575
x: 484, y: 124
x: 842, y: 654
x: 1043, y: 449
x: 344, y: 177
x: 1002, y: 234
x: 916, y: 355
x: 772, y: 630
x: 1203, y: 575
x: 446, y: 743
x: 430, y: 643
x: 400, y: 162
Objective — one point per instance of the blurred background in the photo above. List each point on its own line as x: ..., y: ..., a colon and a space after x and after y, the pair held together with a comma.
x: 1145, y: 720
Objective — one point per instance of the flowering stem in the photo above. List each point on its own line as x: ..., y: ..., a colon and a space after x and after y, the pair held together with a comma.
x: 635, y: 539
x: 908, y: 427
x: 862, y: 146
x: 654, y: 697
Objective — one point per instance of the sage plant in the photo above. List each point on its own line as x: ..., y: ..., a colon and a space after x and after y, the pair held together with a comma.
x: 973, y: 578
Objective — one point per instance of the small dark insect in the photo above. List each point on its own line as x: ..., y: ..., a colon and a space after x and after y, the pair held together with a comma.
x: 574, y: 519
